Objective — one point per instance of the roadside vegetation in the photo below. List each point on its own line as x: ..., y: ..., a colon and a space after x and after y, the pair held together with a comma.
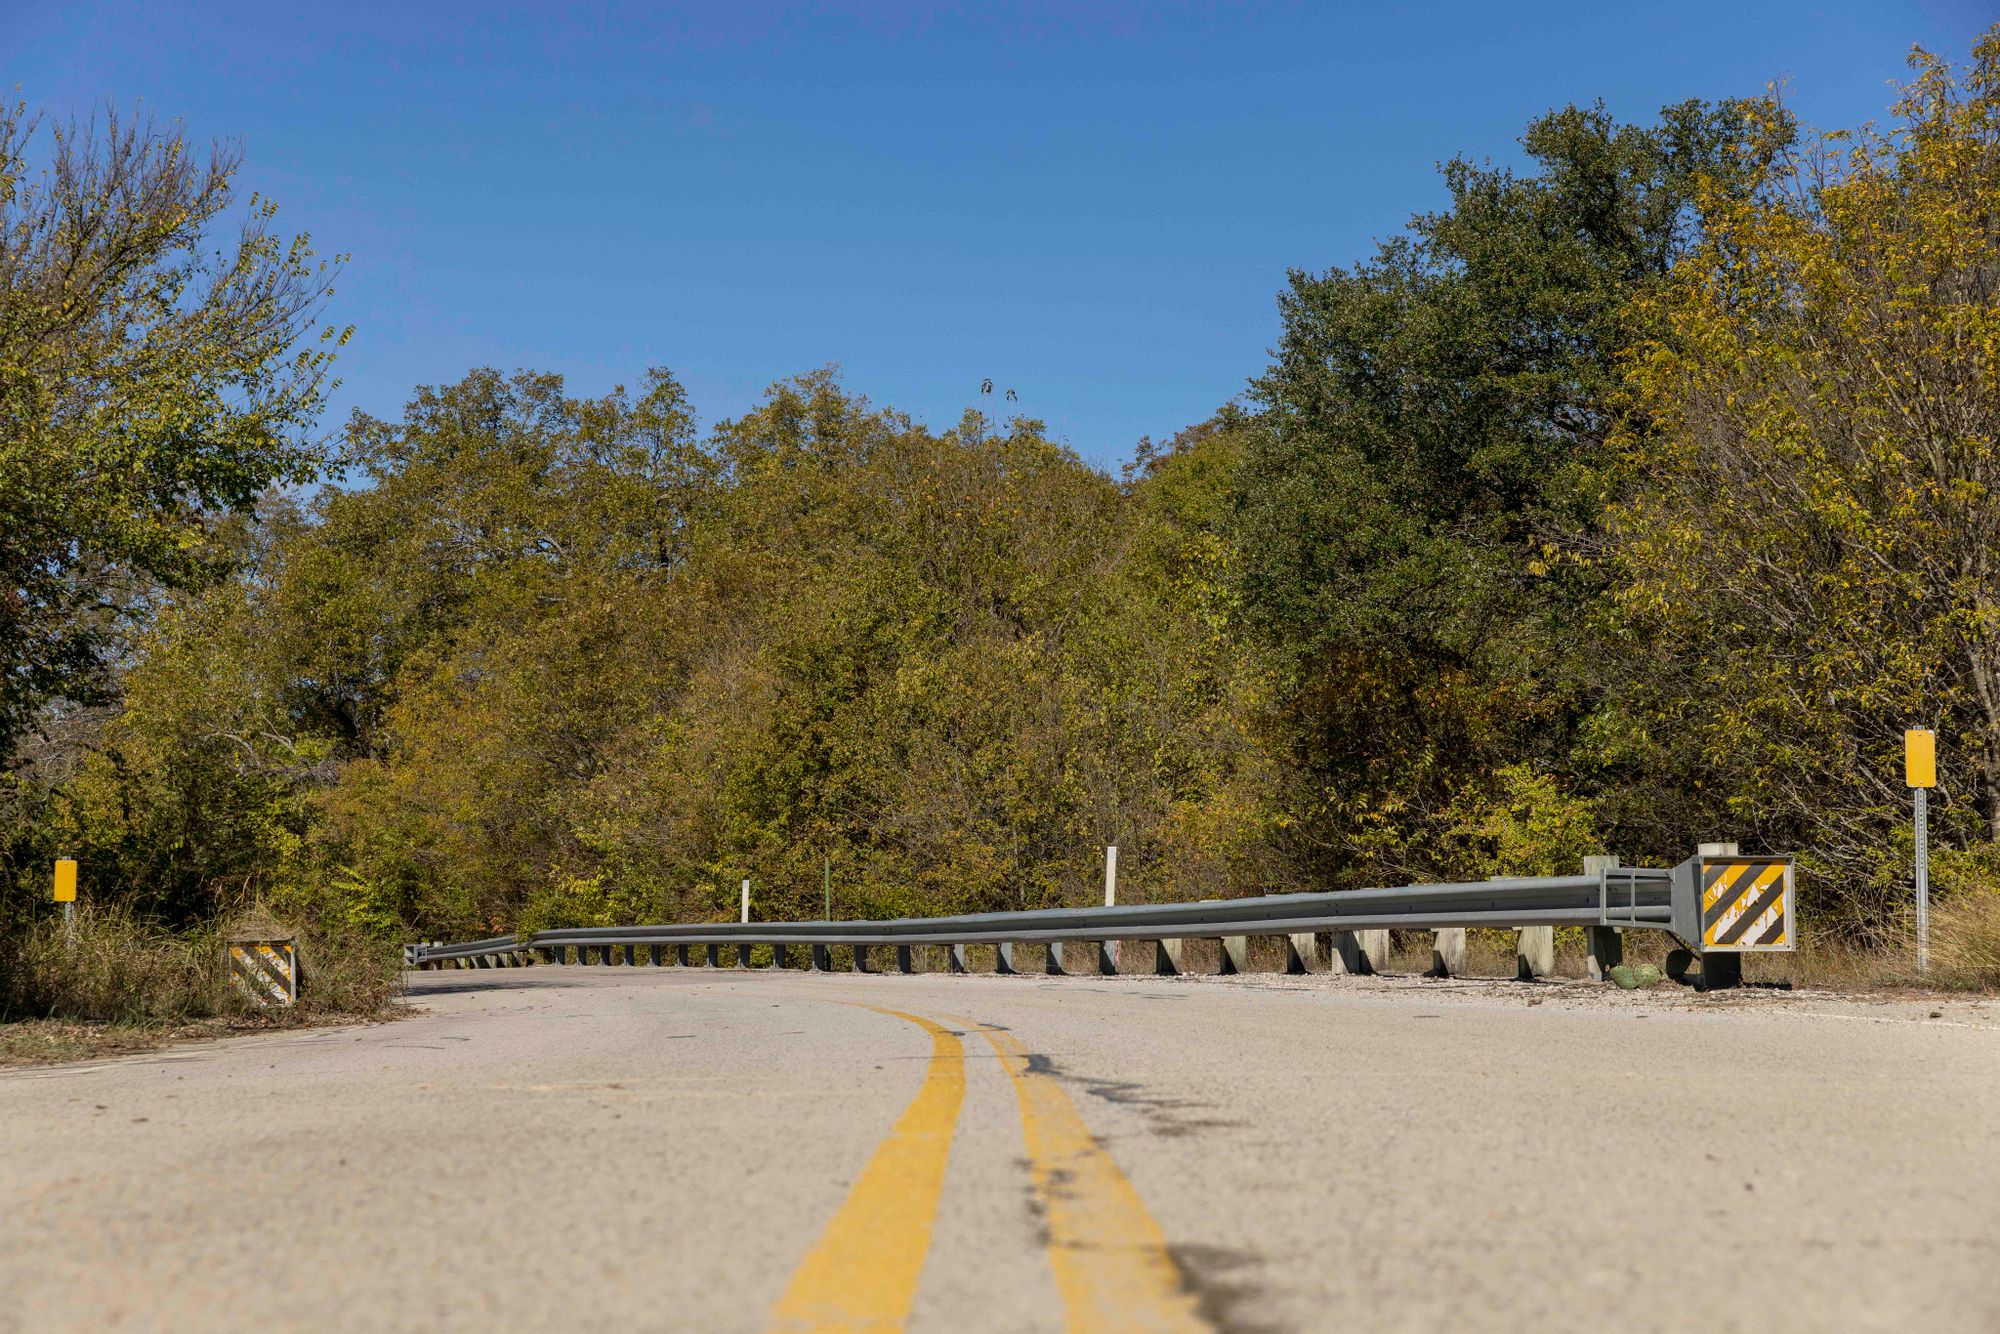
x: 1643, y: 495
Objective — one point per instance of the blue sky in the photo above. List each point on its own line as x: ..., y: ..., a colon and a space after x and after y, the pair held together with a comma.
x: 1092, y: 204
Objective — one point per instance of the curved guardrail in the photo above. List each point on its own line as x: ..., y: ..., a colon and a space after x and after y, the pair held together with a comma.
x: 1694, y: 901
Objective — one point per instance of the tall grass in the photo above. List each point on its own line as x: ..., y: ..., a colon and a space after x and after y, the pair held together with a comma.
x: 1965, y: 940
x: 118, y: 968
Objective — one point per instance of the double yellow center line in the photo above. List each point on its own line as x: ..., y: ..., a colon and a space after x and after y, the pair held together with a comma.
x: 1109, y: 1256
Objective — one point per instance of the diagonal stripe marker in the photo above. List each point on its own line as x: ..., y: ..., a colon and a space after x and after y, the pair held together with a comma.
x: 1110, y: 1257
x: 862, y: 1276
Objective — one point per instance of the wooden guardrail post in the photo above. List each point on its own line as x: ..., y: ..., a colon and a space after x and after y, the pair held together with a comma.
x: 1447, y: 952
x: 1300, y: 950
x: 1107, y: 958
x: 1004, y: 962
x: 1232, y: 955
x: 1167, y: 957
x: 1534, y: 953
x: 957, y: 959
x: 1052, y: 959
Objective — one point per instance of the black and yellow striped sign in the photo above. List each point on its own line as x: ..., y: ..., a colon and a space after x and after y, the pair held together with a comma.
x: 266, y: 971
x: 1746, y: 904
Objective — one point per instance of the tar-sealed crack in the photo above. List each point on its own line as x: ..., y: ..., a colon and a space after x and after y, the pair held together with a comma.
x: 1223, y: 1283
x: 1165, y: 1115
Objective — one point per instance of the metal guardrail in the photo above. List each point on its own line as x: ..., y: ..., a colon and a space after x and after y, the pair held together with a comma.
x: 1686, y: 900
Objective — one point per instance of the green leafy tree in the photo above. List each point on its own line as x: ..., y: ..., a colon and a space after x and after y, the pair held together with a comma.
x: 152, y: 377
x: 1431, y: 435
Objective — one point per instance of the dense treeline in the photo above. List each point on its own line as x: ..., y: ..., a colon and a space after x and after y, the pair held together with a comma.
x: 1640, y: 496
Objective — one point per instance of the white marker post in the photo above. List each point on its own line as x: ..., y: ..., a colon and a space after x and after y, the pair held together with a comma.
x: 1920, y: 772
x: 1110, y: 876
x: 746, y: 902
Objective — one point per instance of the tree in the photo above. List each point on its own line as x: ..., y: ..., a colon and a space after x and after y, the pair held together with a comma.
x: 153, y: 376
x: 1433, y: 430
x: 1813, y: 553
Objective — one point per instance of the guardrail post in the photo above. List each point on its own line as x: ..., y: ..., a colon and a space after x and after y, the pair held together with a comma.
x: 1718, y: 969
x: 680, y: 956
x: 1107, y: 958
x: 1299, y: 952
x: 1232, y: 955
x: 957, y: 963
x: 631, y: 956
x: 821, y: 960
x: 1534, y: 953
x: 1345, y: 955
x: 742, y: 955
x: 1004, y: 953
x: 653, y: 955
x: 1604, y: 947
x: 903, y: 959
x: 1447, y: 952
x: 715, y: 954
x: 1052, y: 963
x: 861, y: 964
x: 1167, y: 957
x: 777, y: 955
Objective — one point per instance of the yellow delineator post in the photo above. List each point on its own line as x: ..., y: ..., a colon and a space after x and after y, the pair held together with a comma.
x: 1920, y: 774
x: 65, y: 894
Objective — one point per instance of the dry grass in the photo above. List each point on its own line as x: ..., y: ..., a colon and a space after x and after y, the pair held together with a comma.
x: 118, y: 971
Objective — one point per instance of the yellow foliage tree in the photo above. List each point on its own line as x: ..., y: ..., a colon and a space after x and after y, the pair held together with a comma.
x: 1813, y: 538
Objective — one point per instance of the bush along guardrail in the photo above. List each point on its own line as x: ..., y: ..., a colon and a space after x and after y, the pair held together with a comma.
x: 1720, y: 904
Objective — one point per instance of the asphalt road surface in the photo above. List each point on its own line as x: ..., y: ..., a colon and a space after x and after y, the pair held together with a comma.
x: 579, y: 1148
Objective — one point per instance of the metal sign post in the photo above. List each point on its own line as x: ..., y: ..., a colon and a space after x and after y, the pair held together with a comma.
x: 65, y: 894
x: 1920, y: 772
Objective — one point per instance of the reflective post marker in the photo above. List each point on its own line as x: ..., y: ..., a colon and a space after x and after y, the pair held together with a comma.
x: 65, y: 894
x: 1110, y: 876
x: 746, y: 901
x: 1920, y: 772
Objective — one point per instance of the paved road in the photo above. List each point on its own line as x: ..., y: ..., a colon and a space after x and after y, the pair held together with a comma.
x: 594, y: 1147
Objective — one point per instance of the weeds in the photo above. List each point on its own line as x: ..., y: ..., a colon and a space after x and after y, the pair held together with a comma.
x: 118, y: 969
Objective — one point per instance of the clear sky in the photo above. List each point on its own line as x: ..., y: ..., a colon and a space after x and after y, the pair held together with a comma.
x: 1092, y: 204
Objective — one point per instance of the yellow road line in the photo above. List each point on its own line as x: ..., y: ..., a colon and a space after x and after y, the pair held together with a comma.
x: 1110, y: 1257
x: 863, y: 1273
